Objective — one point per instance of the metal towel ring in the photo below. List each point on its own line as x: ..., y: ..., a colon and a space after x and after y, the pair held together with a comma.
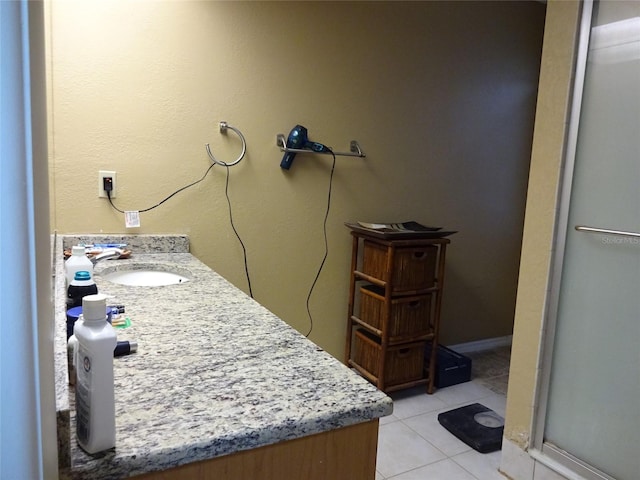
x: 223, y: 128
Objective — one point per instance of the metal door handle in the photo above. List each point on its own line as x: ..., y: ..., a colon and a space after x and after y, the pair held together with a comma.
x: 582, y: 228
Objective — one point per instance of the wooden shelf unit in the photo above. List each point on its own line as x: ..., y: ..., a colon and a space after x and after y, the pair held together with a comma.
x: 398, y: 305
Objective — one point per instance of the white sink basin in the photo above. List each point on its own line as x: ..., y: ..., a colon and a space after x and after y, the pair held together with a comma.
x: 144, y: 277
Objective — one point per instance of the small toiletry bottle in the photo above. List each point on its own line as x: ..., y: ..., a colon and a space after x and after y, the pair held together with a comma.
x: 81, y: 285
x: 72, y: 346
x: 95, y: 400
x: 78, y: 261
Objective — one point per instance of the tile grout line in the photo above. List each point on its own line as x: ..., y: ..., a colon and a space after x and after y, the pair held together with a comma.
x: 492, y: 384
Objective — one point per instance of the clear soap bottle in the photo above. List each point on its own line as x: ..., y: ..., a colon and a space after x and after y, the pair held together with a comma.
x: 95, y: 399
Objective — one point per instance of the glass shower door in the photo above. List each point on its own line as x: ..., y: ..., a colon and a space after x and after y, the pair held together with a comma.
x: 592, y: 421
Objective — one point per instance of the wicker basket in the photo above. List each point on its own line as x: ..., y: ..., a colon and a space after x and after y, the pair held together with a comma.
x: 409, y: 317
x: 404, y: 363
x: 414, y: 267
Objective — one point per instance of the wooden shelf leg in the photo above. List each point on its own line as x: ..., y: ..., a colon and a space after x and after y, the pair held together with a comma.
x: 352, y: 291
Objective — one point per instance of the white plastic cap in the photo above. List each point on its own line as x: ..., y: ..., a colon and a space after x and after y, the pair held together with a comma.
x: 94, y: 307
x: 78, y: 250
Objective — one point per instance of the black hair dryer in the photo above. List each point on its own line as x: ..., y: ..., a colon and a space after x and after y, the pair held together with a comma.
x: 298, y: 140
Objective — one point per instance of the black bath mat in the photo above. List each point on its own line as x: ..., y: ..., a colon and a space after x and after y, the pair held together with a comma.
x: 476, y: 425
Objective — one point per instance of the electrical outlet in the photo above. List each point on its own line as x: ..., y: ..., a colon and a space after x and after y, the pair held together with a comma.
x: 102, y: 174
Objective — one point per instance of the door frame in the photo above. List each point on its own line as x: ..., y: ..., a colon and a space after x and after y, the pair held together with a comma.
x: 548, y: 454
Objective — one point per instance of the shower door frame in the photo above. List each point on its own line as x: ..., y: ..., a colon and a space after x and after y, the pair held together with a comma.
x: 553, y: 457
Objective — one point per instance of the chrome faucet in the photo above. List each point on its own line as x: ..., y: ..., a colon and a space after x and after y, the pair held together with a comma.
x: 106, y: 255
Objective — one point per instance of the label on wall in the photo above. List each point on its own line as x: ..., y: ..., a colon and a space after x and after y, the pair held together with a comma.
x: 132, y: 219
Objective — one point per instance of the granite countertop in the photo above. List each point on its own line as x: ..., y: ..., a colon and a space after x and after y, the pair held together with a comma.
x: 215, y: 373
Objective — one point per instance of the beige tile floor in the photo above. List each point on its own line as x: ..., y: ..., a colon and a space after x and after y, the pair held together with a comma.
x: 412, y: 445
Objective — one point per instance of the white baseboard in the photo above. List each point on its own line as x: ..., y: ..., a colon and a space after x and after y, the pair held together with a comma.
x: 482, y: 345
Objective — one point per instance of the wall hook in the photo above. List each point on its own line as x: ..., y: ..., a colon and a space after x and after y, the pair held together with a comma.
x: 223, y: 129
x: 354, y: 146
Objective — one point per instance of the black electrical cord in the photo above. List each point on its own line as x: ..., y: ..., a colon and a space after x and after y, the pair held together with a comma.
x: 226, y: 191
x: 161, y: 202
x: 326, y: 245
x: 244, y: 250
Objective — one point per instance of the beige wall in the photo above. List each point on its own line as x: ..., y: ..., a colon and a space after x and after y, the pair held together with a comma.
x: 556, y: 80
x: 440, y: 96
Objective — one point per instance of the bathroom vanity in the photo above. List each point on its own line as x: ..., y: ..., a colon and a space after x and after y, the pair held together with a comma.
x: 219, y: 387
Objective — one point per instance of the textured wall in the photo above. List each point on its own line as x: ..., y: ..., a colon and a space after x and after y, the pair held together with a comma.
x: 556, y: 82
x: 441, y: 96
